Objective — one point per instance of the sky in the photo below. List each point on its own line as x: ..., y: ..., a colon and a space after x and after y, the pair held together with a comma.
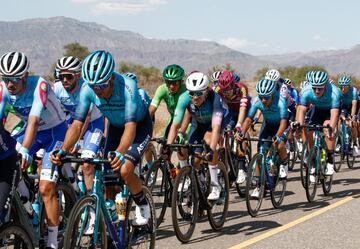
x: 257, y: 27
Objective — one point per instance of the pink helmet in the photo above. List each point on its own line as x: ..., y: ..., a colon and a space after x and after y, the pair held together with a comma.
x: 226, y: 79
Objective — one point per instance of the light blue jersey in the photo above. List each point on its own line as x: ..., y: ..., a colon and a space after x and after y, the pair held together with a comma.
x: 37, y: 100
x: 272, y: 114
x: 145, y: 97
x: 349, y: 97
x: 70, y: 101
x: 125, y: 104
x: 329, y: 100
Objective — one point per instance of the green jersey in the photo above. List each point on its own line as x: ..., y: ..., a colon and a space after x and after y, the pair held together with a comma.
x: 163, y: 93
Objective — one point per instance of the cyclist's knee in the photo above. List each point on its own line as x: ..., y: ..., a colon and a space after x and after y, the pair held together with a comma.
x: 47, y: 188
x: 127, y: 171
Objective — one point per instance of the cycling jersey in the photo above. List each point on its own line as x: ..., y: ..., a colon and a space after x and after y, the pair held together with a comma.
x: 7, y: 143
x: 37, y: 100
x: 346, y: 101
x: 71, y: 100
x: 240, y: 98
x: 163, y: 93
x: 272, y: 114
x: 145, y: 97
x: 329, y: 100
x: 212, y: 111
x: 125, y: 104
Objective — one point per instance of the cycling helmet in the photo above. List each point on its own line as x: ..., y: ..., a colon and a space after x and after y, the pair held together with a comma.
x: 98, y: 67
x: 226, y: 80
x: 303, y: 84
x: 344, y: 81
x: 173, y: 72
x: 272, y: 74
x: 266, y: 87
x: 215, y: 76
x: 13, y: 64
x: 69, y: 63
x: 236, y: 77
x: 197, y: 82
x: 317, y: 78
x: 288, y: 82
x: 132, y: 76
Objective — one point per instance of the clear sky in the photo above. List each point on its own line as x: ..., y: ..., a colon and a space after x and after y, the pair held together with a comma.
x: 257, y: 27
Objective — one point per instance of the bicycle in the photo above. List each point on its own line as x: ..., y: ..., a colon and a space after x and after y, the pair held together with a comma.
x: 121, y: 232
x: 159, y: 180
x: 13, y: 235
x: 188, y: 203
x: 263, y: 171
x: 316, y: 163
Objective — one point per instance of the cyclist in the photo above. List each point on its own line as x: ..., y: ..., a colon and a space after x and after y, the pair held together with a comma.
x: 325, y: 99
x: 274, y: 110
x: 236, y: 96
x: 349, y: 107
x: 118, y: 99
x: 8, y: 158
x: 67, y: 90
x: 169, y: 92
x: 208, y: 115
x: 274, y: 74
x: 35, y: 102
x: 215, y: 79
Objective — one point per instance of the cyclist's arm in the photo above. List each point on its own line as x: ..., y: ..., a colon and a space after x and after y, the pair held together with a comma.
x: 179, y: 113
x: 155, y: 102
x: 127, y: 138
x: 354, y: 107
x: 242, y: 115
x: 3, y: 101
x: 300, y: 115
x: 152, y: 110
x: 72, y: 135
x: 106, y: 126
x: 258, y: 115
x: 334, y: 117
x: 282, y: 127
x: 185, y: 122
x: 31, y: 131
x: 246, y: 125
x: 173, y: 132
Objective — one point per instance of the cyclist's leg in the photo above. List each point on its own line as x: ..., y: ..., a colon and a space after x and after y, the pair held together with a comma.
x: 92, y: 140
x: 330, y: 144
x: 52, y: 139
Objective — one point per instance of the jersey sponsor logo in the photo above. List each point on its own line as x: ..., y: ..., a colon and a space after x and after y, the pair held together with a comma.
x: 142, y: 146
x: 43, y: 93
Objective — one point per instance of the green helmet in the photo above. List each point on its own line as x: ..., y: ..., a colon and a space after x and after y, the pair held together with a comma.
x: 173, y: 72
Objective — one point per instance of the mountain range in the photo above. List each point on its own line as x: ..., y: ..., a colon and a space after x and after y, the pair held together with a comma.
x: 43, y: 41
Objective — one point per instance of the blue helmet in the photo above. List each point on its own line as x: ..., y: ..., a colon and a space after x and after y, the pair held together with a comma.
x: 132, y: 76
x: 236, y: 77
x: 344, y: 81
x: 317, y: 78
x: 98, y: 67
x: 266, y: 87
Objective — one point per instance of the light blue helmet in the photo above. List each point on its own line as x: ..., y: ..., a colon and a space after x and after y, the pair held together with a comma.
x: 236, y: 77
x: 317, y: 78
x: 266, y: 87
x: 344, y: 81
x: 98, y: 67
x: 132, y: 76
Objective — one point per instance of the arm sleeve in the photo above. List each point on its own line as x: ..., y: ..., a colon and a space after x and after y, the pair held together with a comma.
x: 84, y: 104
x: 253, y: 109
x: 132, y: 98
x: 303, y: 98
x: 284, y: 114
x: 159, y: 94
x: 181, y: 107
x: 40, y: 98
x: 218, y: 110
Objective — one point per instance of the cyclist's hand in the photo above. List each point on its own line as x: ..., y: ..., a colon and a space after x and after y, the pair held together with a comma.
x: 239, y: 136
x: 76, y: 148
x: 210, y: 155
x: 354, y: 118
x: 26, y: 158
x: 165, y: 152
x: 294, y: 125
x: 56, y: 155
x: 116, y: 160
x: 180, y: 138
x: 276, y: 140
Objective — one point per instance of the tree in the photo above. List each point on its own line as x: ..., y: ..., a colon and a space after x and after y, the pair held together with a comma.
x: 76, y: 50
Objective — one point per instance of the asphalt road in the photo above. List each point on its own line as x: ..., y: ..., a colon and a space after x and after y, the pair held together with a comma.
x: 329, y: 222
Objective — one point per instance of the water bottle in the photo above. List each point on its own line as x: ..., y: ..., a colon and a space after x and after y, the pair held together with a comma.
x: 36, y: 208
x: 81, y: 182
x: 270, y: 165
x: 323, y: 156
x: 120, y: 202
x: 110, y: 205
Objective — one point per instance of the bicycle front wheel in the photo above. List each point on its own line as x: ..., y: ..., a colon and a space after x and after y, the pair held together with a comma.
x: 255, y: 185
x: 277, y: 192
x: 184, y: 205
x: 13, y: 235
x: 312, y: 176
x: 157, y: 182
x: 304, y: 164
x: 339, y: 154
x: 350, y: 157
x: 79, y: 231
x: 218, y: 209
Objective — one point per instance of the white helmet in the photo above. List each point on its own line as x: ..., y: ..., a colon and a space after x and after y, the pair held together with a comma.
x: 197, y: 82
x: 272, y: 74
x: 69, y: 63
x: 13, y: 64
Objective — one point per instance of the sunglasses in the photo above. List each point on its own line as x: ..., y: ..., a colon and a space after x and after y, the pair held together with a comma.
x: 171, y: 82
x: 226, y: 91
x: 318, y: 89
x: 69, y: 76
x: 101, y: 86
x: 342, y: 87
x: 196, y: 93
x: 264, y: 97
x: 14, y: 80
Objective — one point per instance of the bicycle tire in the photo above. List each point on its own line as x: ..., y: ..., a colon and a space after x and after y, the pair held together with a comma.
x: 144, y: 236
x: 294, y: 155
x: 217, y: 221
x: 339, y: 156
x: 192, y: 201
x: 139, y: 167
x: 160, y: 193
x: 311, y: 187
x: 277, y: 197
x: 253, y: 204
x: 350, y: 159
x: 303, y: 164
x: 72, y: 227
x: 16, y: 236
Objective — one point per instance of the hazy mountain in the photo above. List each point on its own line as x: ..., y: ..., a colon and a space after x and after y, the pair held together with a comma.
x: 43, y: 40
x: 336, y: 61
